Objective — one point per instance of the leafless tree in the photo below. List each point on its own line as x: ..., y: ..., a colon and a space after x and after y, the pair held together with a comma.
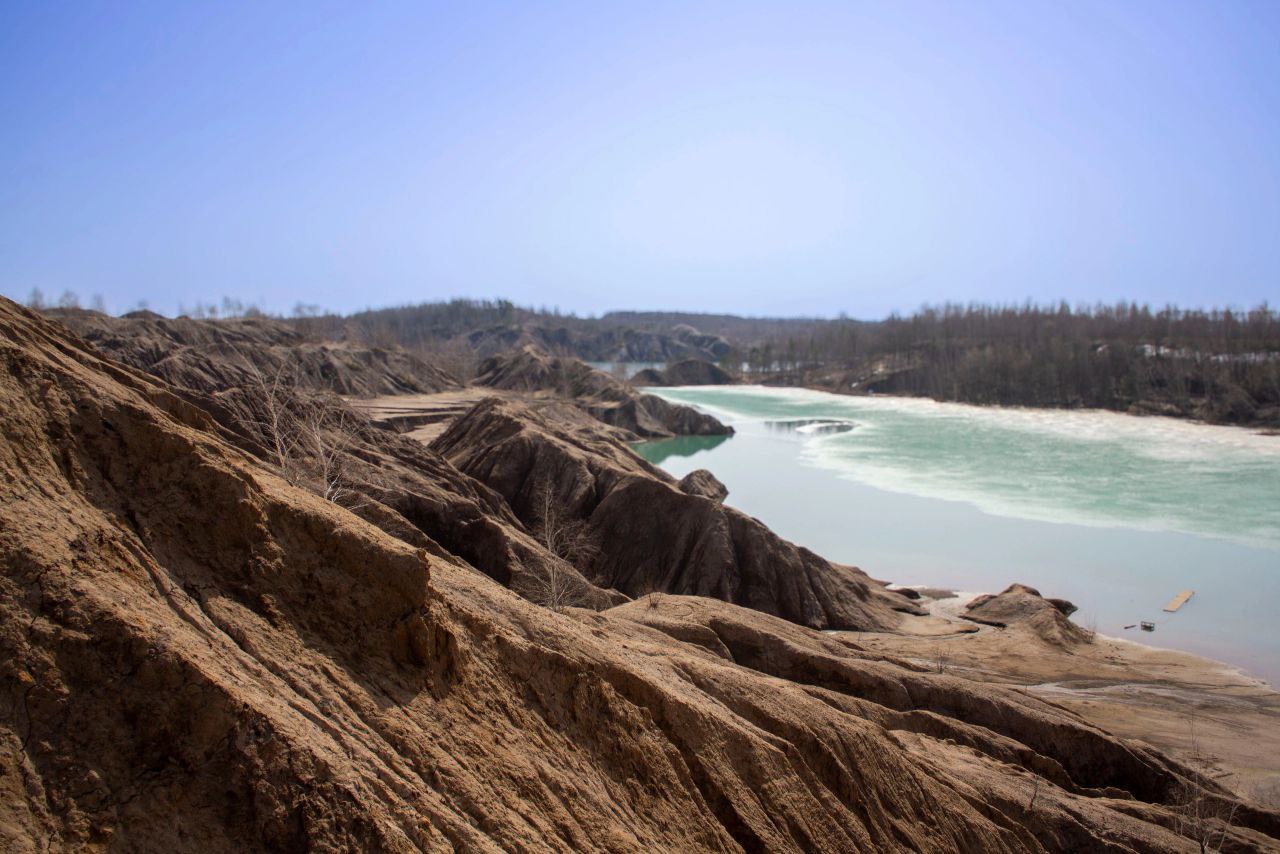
x: 275, y: 419
x: 453, y: 356
x: 36, y: 300
x: 557, y: 584
x: 328, y: 435
x: 309, y: 435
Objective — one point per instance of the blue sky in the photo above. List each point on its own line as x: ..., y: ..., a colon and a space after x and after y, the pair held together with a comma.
x: 785, y: 158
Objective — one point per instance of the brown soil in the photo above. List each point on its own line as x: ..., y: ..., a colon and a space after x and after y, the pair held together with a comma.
x: 214, y: 355
x: 647, y: 533
x: 606, y: 398
x: 1202, y: 711
x: 687, y: 372
x: 197, y: 656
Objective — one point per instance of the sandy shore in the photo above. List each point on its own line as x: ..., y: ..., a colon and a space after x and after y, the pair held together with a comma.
x: 1205, y: 712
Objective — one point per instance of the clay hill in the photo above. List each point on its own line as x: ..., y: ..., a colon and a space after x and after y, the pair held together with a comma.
x: 1018, y: 603
x: 686, y: 372
x: 201, y: 652
x: 642, y: 532
x: 213, y: 355
x: 608, y: 399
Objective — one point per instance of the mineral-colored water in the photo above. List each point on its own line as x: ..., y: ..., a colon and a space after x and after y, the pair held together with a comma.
x: 1115, y: 512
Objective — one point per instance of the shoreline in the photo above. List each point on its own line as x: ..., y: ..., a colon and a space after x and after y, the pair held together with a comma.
x: 962, y: 597
x: 1127, y: 562
x: 1269, y: 431
x: 1136, y: 410
x: 1210, y: 713
x: 1123, y: 686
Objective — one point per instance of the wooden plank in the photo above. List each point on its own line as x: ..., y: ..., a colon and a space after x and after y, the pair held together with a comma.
x: 1178, y: 601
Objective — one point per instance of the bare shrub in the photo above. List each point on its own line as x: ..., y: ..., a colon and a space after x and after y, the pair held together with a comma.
x: 276, y: 419
x: 454, y: 356
x: 558, y: 584
x: 1200, y: 815
x: 308, y: 435
x: 1090, y: 630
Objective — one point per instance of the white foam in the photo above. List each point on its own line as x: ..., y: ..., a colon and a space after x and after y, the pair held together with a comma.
x: 1063, y: 466
x: 1156, y: 434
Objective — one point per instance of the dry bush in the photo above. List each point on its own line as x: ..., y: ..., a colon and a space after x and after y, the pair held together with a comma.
x: 1199, y: 815
x: 454, y: 356
x: 1090, y: 630
x: 555, y: 585
x: 308, y: 435
x: 558, y: 583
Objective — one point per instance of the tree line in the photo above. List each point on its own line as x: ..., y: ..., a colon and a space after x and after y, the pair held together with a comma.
x: 1221, y: 365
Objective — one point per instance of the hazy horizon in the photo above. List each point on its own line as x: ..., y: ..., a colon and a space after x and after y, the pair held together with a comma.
x: 759, y: 160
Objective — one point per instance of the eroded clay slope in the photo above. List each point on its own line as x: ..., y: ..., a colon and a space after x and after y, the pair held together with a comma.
x: 609, y: 399
x: 213, y: 355
x: 197, y: 656
x: 648, y: 533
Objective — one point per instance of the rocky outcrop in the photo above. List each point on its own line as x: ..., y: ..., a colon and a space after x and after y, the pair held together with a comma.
x: 196, y: 655
x: 703, y: 483
x: 687, y: 372
x: 1021, y: 605
x: 213, y: 355
x: 650, y: 535
x: 608, y: 399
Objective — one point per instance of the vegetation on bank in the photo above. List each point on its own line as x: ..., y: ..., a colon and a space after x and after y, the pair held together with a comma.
x: 1219, y: 365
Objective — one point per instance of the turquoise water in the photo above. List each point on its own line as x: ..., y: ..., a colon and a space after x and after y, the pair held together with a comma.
x: 1114, y: 512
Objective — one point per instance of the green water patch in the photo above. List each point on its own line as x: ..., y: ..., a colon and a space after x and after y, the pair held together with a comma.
x: 658, y: 451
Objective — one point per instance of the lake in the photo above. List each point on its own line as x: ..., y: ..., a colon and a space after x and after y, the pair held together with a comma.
x: 1116, y: 513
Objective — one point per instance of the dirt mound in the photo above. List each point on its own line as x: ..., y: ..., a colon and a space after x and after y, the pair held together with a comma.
x: 606, y: 398
x: 197, y: 656
x: 647, y: 533
x: 214, y: 355
x: 704, y: 483
x: 687, y: 372
x: 389, y: 480
x: 1023, y: 606
x: 648, y: 377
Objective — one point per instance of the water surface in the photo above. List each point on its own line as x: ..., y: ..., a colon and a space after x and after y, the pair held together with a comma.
x: 1114, y: 512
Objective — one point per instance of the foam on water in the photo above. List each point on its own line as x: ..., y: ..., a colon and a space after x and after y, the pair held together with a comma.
x: 1085, y: 467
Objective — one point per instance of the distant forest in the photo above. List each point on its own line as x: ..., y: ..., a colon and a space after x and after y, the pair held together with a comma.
x: 1218, y: 365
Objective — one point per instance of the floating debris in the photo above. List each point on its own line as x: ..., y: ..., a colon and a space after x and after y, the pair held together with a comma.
x: 1148, y: 627
x: 811, y: 426
x: 1178, y: 601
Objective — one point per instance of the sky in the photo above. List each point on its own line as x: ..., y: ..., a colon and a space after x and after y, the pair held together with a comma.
x: 787, y: 158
